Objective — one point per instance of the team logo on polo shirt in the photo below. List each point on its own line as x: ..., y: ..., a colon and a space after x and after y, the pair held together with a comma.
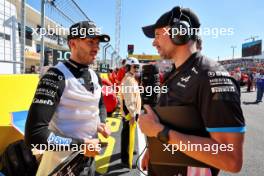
x: 185, y: 79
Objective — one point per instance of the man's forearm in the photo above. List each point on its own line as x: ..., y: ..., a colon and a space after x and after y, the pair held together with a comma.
x: 229, y: 160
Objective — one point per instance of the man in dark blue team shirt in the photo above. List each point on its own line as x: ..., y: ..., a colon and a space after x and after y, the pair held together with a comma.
x: 201, y: 83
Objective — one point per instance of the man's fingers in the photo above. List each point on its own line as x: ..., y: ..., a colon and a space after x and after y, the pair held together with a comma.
x: 144, y: 168
x: 95, y: 141
x: 100, y: 128
x: 151, y: 112
x: 104, y: 130
x: 140, y: 117
x: 148, y: 109
x: 91, y: 153
x: 92, y: 148
x: 144, y: 165
x: 105, y: 134
x: 107, y: 131
x: 91, y: 141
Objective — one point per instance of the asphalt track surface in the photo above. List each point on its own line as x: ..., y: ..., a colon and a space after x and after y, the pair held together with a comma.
x: 115, y: 166
x: 253, y: 147
x: 254, y: 140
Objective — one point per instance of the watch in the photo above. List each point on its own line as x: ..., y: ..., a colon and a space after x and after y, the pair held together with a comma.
x: 163, y: 135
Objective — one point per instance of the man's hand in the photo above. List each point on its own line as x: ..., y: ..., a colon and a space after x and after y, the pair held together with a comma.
x: 104, y: 130
x: 92, y: 147
x: 145, y: 160
x: 149, y: 123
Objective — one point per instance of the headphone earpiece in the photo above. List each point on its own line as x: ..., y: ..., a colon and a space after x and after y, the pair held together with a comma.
x: 180, y: 33
x: 180, y: 30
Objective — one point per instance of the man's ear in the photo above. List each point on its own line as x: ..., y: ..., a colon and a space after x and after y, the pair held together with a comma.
x: 71, y: 43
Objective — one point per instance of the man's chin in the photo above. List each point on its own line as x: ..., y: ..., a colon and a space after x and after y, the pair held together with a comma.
x: 164, y: 57
x: 93, y: 57
x: 90, y: 61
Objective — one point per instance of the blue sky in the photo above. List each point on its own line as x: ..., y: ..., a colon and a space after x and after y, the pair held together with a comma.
x: 245, y: 17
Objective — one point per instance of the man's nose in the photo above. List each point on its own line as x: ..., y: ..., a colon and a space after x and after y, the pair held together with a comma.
x: 154, y: 43
x: 97, y: 47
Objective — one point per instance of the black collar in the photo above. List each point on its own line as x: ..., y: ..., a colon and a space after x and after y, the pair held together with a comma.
x: 188, y: 63
x: 73, y: 64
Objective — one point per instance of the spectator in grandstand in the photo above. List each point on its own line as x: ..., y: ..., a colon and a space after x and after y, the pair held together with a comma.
x: 260, y: 86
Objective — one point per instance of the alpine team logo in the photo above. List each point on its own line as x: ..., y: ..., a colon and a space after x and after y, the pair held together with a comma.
x: 185, y: 79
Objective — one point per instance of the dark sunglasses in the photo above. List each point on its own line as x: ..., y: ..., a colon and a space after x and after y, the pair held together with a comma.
x: 136, y: 66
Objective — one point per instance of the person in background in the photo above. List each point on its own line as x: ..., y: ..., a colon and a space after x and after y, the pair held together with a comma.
x: 260, y: 86
x: 131, y: 104
x: 254, y: 86
x: 237, y: 75
x: 250, y: 81
x: 199, y: 82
